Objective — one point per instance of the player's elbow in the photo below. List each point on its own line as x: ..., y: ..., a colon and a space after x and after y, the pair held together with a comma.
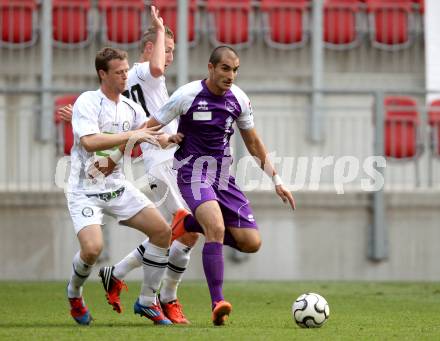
x: 157, y: 70
x: 88, y: 144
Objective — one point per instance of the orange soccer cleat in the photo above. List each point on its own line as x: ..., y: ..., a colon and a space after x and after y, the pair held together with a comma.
x: 221, y: 312
x: 173, y: 310
x: 112, y: 287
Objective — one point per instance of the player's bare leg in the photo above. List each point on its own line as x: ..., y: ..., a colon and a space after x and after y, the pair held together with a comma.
x: 248, y: 240
x: 91, y: 243
x: 185, y: 223
x: 210, y: 217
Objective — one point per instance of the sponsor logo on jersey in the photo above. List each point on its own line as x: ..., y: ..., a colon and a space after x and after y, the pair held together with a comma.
x: 230, y: 106
x: 87, y: 212
x: 202, y: 105
x: 125, y: 126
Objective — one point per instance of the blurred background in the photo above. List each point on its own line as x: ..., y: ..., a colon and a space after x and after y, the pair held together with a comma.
x: 332, y: 83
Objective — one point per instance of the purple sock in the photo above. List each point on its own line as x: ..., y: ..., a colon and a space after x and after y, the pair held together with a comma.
x: 192, y: 225
x: 212, y: 256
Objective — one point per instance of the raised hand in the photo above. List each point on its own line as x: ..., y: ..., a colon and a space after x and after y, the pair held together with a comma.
x: 156, y: 20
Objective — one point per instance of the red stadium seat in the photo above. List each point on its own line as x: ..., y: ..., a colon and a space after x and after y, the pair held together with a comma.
x: 71, y: 22
x: 391, y: 23
x: 285, y: 22
x: 64, y: 131
x: 168, y: 11
x: 401, y: 127
x: 341, y: 23
x: 402, y: 138
x: 123, y: 21
x: 18, y: 21
x: 230, y: 22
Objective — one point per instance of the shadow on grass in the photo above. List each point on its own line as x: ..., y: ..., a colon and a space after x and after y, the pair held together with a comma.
x: 69, y: 325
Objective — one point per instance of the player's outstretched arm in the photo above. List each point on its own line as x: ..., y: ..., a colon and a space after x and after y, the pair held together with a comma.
x: 256, y: 148
x: 106, y: 165
x: 157, y: 60
x: 97, y: 142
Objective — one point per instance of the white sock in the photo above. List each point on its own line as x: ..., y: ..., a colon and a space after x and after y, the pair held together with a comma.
x: 80, y: 272
x: 154, y: 264
x: 177, y: 263
x: 132, y: 261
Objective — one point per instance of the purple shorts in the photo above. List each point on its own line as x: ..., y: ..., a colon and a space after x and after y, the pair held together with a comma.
x: 235, y: 207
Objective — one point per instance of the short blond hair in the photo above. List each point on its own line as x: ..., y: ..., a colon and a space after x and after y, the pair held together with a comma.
x: 150, y: 35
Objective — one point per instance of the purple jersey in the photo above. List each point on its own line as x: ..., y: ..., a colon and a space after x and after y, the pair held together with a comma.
x: 206, y: 119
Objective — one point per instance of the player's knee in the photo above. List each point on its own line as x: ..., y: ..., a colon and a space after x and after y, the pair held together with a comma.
x: 91, y: 251
x: 160, y: 234
x: 215, y: 232
x: 250, y: 246
x: 189, y: 239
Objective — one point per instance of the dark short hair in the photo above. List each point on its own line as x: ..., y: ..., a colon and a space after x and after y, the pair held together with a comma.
x: 150, y: 35
x: 105, y: 55
x: 217, y: 53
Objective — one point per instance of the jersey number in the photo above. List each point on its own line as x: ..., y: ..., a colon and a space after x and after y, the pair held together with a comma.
x: 137, y: 95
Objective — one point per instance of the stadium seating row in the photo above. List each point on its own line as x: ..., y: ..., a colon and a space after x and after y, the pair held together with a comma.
x: 402, y: 122
x: 283, y: 23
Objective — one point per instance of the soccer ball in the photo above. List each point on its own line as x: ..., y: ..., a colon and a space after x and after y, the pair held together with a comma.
x: 310, y: 310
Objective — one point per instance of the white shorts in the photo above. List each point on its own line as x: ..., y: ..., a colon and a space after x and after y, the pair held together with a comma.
x: 88, y: 210
x: 164, y: 190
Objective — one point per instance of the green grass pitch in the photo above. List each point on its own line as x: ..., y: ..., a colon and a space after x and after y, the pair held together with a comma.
x: 261, y: 311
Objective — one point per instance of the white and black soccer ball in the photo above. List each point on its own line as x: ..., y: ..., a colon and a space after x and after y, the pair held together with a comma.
x: 310, y: 310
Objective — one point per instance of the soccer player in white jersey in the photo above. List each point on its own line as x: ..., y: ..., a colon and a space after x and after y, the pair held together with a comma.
x: 207, y: 110
x: 102, y: 120
x: 146, y: 86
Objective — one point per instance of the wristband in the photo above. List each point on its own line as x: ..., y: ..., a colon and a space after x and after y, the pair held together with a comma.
x: 116, y: 155
x: 276, y: 179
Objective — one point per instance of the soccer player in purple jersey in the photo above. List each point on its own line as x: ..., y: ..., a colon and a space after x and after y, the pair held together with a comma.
x: 207, y: 109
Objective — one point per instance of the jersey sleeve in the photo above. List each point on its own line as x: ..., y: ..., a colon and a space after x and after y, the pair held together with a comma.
x: 246, y: 119
x: 85, y: 117
x: 143, y: 73
x: 176, y: 105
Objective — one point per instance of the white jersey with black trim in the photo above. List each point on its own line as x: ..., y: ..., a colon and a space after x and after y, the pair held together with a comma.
x: 94, y: 113
x: 151, y: 93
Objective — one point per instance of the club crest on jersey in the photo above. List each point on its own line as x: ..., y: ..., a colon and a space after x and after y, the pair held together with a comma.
x: 87, y: 212
x: 230, y: 106
x: 202, y: 105
x: 125, y: 126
